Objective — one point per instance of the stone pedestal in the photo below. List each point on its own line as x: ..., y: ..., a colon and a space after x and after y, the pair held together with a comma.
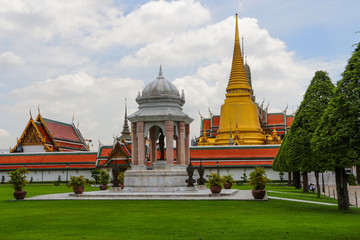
x: 115, y: 189
x: 162, y: 178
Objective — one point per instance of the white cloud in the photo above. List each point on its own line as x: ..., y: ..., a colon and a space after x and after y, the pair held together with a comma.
x: 4, y: 133
x: 152, y: 22
x: 10, y: 59
x: 96, y: 102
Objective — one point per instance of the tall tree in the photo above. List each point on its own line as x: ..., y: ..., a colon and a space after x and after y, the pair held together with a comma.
x: 337, y: 139
x: 298, y: 151
x: 306, y: 121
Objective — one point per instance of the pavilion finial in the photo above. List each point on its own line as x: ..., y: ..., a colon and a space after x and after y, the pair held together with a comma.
x: 160, y: 72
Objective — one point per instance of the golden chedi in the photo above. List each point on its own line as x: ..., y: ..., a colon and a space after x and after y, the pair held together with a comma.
x: 239, y: 110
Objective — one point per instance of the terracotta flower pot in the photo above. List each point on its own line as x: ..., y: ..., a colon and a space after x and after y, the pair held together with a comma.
x: 19, y: 194
x: 215, y: 189
x: 103, y: 187
x: 78, y: 190
x: 227, y: 185
x: 258, y: 194
x: 121, y: 185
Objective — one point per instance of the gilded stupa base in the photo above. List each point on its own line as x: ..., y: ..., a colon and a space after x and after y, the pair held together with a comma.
x: 240, y: 138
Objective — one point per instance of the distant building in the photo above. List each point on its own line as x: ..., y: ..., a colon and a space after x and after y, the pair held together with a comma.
x: 45, y: 135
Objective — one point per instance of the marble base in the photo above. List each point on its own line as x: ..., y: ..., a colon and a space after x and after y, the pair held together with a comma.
x: 161, y: 178
x: 115, y: 189
x: 201, y: 187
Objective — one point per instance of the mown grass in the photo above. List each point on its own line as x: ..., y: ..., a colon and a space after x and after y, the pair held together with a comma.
x: 273, y: 219
x: 290, y: 192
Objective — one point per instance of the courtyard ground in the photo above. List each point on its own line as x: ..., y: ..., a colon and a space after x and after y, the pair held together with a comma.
x: 94, y: 219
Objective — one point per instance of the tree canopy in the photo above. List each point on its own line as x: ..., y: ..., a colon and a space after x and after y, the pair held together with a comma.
x: 336, y: 140
x: 295, y: 152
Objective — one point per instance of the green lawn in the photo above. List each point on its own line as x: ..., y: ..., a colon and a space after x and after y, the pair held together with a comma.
x: 290, y: 192
x: 111, y: 219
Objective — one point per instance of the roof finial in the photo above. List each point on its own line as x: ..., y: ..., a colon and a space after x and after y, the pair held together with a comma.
x: 39, y: 108
x: 30, y: 113
x: 125, y: 133
x: 160, y: 72
x: 126, y: 108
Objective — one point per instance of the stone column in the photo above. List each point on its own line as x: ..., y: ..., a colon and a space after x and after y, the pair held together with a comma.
x: 181, y: 143
x: 187, y: 144
x: 153, y: 144
x: 169, y: 128
x: 141, y: 143
x: 177, y: 150
x: 134, y: 144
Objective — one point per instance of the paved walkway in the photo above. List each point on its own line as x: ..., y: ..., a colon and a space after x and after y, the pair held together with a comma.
x: 226, y: 194
x: 354, y: 193
x: 304, y: 201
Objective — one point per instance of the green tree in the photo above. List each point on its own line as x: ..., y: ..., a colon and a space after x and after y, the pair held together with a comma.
x: 297, y: 152
x: 337, y: 139
x: 95, y: 173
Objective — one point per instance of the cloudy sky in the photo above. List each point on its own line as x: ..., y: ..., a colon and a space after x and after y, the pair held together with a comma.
x: 84, y: 57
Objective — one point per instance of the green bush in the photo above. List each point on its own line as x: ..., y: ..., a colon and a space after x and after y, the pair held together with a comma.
x: 244, y: 177
x: 214, y: 180
x: 79, y: 181
x: 18, y: 178
x: 121, y: 177
x: 95, y: 173
x: 227, y: 178
x: 104, y: 177
x: 351, y: 179
x: 258, y: 178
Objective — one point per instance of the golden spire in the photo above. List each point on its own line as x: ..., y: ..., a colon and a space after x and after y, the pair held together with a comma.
x: 237, y: 78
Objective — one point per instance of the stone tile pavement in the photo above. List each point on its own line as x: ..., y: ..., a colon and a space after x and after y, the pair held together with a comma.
x: 226, y: 194
x: 354, y: 193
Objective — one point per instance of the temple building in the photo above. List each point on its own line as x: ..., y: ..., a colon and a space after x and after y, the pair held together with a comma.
x: 45, y: 135
x: 241, y: 120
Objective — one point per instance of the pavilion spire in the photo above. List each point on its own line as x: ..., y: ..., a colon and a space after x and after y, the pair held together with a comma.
x: 160, y: 72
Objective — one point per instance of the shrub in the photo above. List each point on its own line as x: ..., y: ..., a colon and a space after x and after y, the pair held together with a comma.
x: 258, y: 178
x: 18, y: 178
x: 95, y: 173
x: 351, y: 179
x: 79, y: 181
x: 214, y: 179
x: 104, y: 177
x: 121, y: 177
x: 227, y: 178
x: 244, y: 177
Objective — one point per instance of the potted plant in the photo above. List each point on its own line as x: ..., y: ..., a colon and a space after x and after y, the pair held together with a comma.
x: 227, y: 181
x: 18, y: 180
x: 77, y: 183
x: 258, y: 179
x: 214, y: 181
x: 121, y: 179
x: 104, y: 179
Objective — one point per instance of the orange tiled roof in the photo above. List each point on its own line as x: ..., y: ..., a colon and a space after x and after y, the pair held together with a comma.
x: 53, y: 160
